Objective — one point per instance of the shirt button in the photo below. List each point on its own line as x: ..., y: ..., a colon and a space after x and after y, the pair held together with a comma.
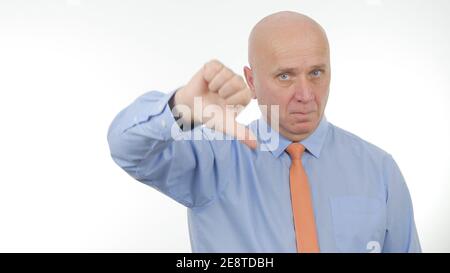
x: 163, y: 123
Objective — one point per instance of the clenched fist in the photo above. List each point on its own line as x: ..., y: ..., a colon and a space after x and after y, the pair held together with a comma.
x: 214, y: 97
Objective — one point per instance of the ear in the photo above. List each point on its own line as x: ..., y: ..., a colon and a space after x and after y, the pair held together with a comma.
x: 249, y: 78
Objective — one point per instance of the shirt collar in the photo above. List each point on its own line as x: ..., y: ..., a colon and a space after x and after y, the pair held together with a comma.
x: 271, y: 140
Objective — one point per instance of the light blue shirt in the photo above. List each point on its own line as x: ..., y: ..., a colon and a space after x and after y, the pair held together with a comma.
x: 238, y: 199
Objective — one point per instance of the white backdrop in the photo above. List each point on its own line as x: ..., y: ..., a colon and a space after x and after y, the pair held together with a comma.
x: 68, y: 67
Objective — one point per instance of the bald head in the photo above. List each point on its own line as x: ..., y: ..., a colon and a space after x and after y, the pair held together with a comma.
x: 282, y: 29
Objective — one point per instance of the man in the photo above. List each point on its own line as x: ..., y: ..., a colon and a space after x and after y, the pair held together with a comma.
x: 319, y: 189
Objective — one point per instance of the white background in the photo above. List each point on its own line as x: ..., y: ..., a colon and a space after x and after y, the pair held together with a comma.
x: 68, y: 67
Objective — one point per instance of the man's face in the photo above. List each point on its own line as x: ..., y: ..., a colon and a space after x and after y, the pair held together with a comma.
x: 293, y: 73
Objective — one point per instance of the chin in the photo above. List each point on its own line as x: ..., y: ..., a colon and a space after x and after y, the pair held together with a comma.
x: 296, y: 131
x: 301, y: 128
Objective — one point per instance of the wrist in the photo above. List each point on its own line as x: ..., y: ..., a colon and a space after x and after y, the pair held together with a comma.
x: 180, y: 107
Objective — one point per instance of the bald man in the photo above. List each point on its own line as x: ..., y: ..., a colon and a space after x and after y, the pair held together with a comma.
x: 290, y: 181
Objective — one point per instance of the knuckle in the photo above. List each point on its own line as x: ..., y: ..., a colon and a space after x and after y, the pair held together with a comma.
x: 235, y: 81
x: 240, y: 78
x: 213, y: 66
x: 214, y: 62
x: 239, y: 83
x: 228, y: 73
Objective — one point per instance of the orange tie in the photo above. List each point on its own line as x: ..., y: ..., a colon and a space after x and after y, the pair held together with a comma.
x: 302, y: 206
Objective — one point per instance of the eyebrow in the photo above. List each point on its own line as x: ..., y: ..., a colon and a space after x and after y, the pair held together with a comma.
x: 321, y: 66
x: 293, y: 69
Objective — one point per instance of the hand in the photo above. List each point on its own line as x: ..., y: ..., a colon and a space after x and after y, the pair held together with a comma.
x: 223, y: 95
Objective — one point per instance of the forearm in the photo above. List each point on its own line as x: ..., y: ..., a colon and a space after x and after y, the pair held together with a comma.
x: 141, y: 130
x: 142, y: 142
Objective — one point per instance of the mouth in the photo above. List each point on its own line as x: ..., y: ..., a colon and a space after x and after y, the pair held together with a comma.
x: 301, y: 113
x: 299, y: 116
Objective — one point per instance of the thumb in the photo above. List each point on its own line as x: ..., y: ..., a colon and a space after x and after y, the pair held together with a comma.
x: 245, y: 135
x: 224, y: 120
x: 239, y: 131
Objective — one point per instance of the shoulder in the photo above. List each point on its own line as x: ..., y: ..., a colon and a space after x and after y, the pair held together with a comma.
x: 347, y: 142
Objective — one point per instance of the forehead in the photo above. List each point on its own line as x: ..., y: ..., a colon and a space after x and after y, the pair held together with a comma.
x: 297, y: 52
x: 294, y: 54
x: 290, y: 48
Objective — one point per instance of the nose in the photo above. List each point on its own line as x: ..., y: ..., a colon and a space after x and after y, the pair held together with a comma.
x: 303, y: 92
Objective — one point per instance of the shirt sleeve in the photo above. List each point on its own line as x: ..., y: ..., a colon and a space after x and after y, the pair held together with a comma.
x: 401, y: 233
x: 142, y: 142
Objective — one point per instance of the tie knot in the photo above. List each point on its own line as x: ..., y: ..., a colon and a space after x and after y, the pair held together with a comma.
x: 295, y: 151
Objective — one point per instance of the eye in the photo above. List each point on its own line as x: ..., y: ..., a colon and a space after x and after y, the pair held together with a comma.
x: 283, y: 76
x: 316, y: 73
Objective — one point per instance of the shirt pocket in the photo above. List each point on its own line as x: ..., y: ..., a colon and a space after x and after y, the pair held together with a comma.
x: 359, y: 223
